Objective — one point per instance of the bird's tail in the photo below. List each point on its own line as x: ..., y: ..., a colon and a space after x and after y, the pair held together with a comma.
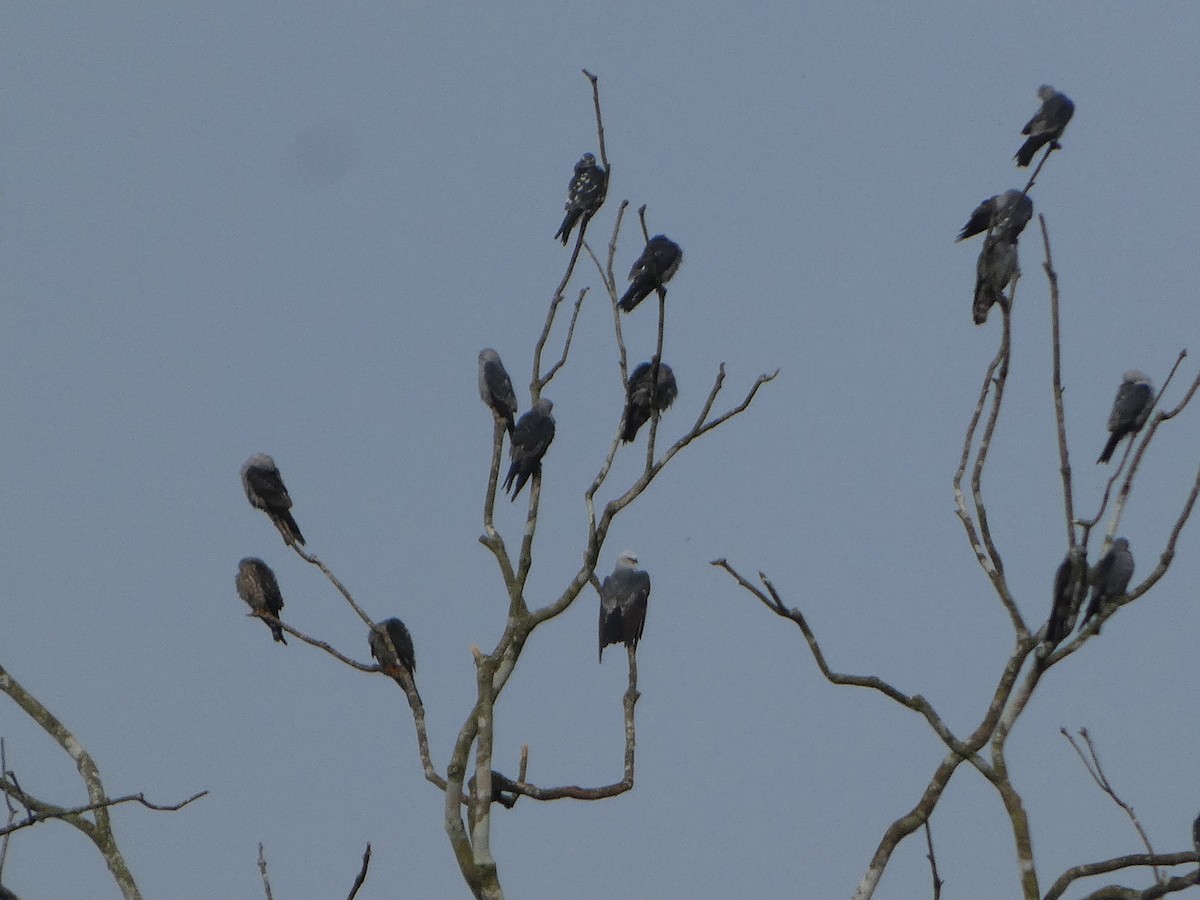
x: 568, y: 222
x: 277, y: 632
x: 1109, y: 448
x: 289, y: 529
x: 1024, y: 156
x: 984, y: 298
x: 635, y: 295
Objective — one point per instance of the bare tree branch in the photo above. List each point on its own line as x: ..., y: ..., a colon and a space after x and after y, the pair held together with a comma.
x: 262, y: 870
x: 40, y: 811
x: 362, y: 874
x: 1060, y: 885
x: 933, y: 872
x: 1091, y: 762
x: 99, y: 829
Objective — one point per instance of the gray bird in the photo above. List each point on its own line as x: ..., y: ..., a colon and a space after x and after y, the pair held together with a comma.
x: 623, y: 597
x: 659, y: 261
x: 585, y: 195
x: 995, y: 270
x: 1047, y: 124
x: 1070, y: 586
x: 1130, y: 410
x: 265, y: 491
x: 530, y: 441
x: 1109, y: 578
x: 403, y: 660
x: 495, y: 387
x: 257, y: 586
x: 1006, y: 213
x: 641, y: 398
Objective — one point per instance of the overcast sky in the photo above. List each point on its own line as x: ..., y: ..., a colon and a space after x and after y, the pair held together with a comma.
x: 289, y: 228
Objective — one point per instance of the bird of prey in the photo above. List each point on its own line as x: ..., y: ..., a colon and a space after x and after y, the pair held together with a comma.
x: 495, y: 387
x: 1006, y: 213
x: 641, y: 397
x: 1130, y: 409
x: 1047, y: 124
x: 653, y: 269
x: 265, y: 491
x: 1110, y: 578
x: 398, y: 658
x: 257, y: 586
x: 1070, y: 585
x: 585, y: 195
x: 530, y: 441
x: 997, y: 266
x: 623, y: 597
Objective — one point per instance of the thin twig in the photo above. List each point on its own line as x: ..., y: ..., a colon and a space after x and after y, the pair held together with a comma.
x: 1091, y: 762
x: 262, y: 869
x: 937, y: 882
x: 341, y: 588
x: 39, y: 811
x: 362, y: 874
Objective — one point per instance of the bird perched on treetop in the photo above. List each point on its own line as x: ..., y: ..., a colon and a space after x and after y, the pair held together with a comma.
x: 404, y: 658
x: 1110, y: 578
x: 1006, y: 213
x: 623, y: 597
x: 495, y: 387
x: 641, y: 398
x: 1047, y: 124
x: 585, y: 195
x: 653, y: 269
x: 1130, y: 409
x: 265, y: 491
x: 256, y: 585
x: 530, y: 441
x: 996, y: 268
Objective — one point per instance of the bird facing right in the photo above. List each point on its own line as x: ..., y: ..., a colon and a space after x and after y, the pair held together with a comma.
x: 653, y: 269
x: 530, y: 441
x: 585, y: 195
x: 1110, y: 578
x: 495, y: 388
x: 264, y: 489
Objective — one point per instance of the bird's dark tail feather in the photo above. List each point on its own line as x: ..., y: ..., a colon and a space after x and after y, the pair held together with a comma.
x: 635, y: 295
x: 983, y: 303
x: 289, y: 529
x: 277, y: 633
x: 1024, y: 156
x: 568, y: 223
x: 1109, y: 448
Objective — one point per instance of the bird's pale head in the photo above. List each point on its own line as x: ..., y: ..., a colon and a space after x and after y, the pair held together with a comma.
x: 627, y: 560
x: 1045, y: 92
x: 1121, y: 544
x: 259, y: 461
x: 543, y: 406
x: 487, y: 354
x: 1133, y: 376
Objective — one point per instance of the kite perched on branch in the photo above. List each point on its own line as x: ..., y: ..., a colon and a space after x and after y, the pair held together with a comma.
x: 495, y: 387
x: 585, y: 195
x: 653, y: 269
x: 257, y: 586
x: 1047, y: 124
x: 642, y: 397
x: 1131, y: 407
x: 623, y: 597
x: 1007, y: 213
x: 530, y: 441
x: 265, y: 491
x: 1110, y: 578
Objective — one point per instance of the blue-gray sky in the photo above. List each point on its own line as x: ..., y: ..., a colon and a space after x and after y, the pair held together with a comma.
x: 291, y: 228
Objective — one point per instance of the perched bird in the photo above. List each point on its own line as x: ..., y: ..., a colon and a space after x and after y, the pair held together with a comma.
x: 530, y: 441
x: 641, y: 397
x: 265, y: 491
x: 1070, y: 585
x: 1006, y: 213
x: 398, y: 658
x: 585, y: 195
x: 1110, y: 578
x: 1130, y: 410
x: 495, y: 387
x: 653, y: 269
x: 256, y: 585
x: 1047, y: 125
x: 623, y: 597
x: 996, y: 268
